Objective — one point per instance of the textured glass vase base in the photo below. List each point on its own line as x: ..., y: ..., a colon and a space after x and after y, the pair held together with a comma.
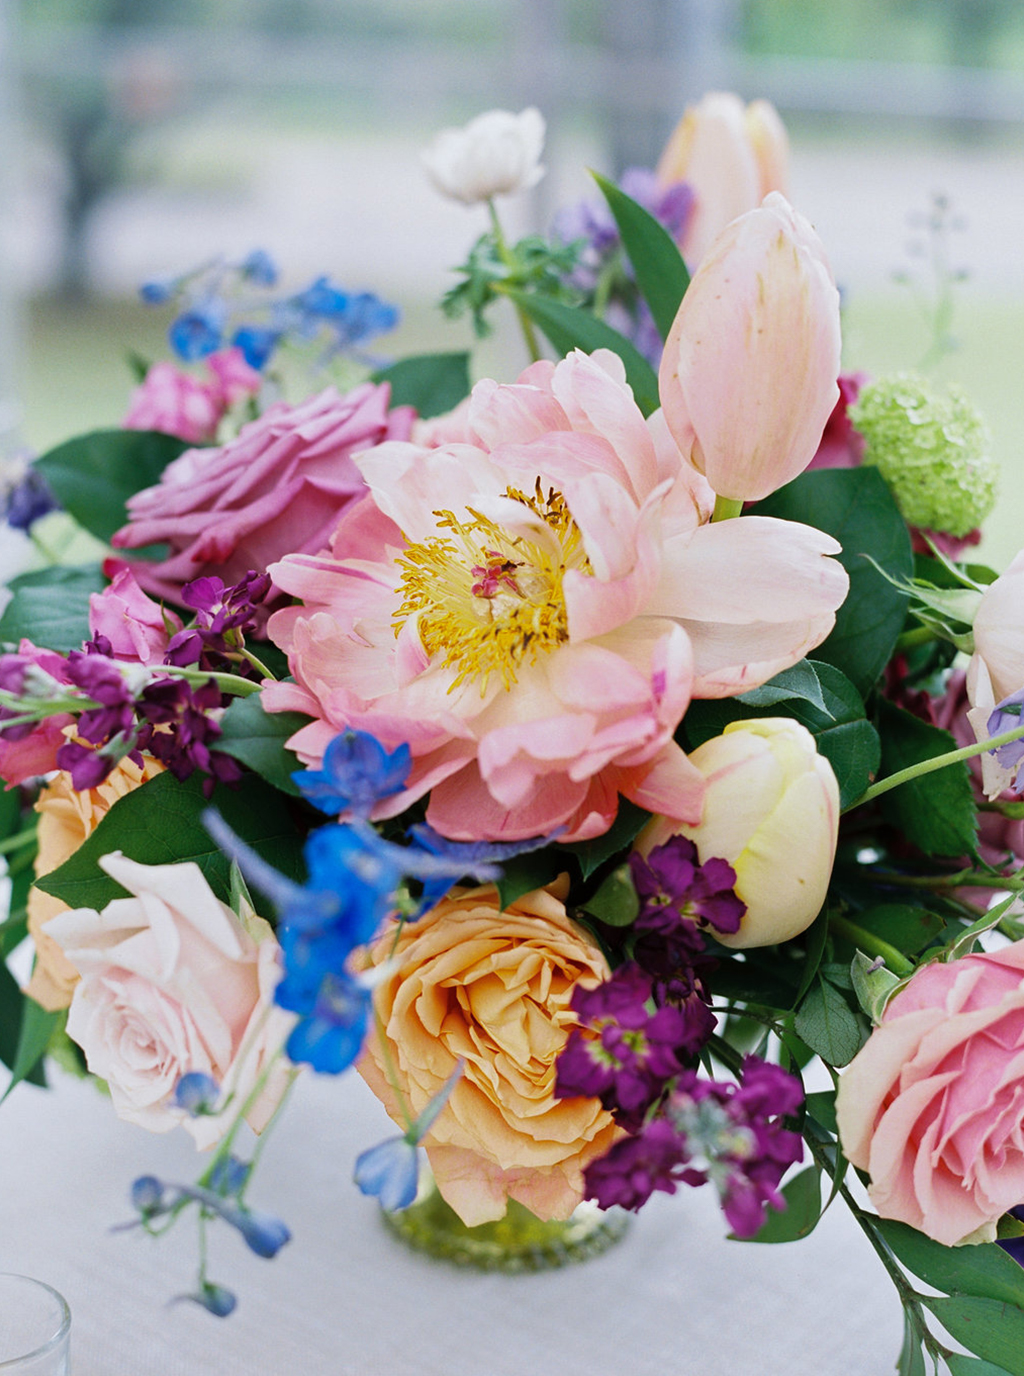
x: 518, y: 1242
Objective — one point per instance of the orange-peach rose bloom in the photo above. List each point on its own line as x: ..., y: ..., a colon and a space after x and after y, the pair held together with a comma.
x: 66, y: 819
x: 468, y: 981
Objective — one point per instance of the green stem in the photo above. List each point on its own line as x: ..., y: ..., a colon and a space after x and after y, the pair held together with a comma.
x: 963, y: 879
x: 525, y: 323
x: 920, y: 635
x: 256, y: 663
x: 229, y: 683
x: 871, y: 944
x: 726, y: 508
x: 392, y: 1073
x: 23, y: 838
x: 923, y: 767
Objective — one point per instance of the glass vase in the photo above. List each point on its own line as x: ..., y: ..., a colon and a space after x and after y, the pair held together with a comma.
x: 35, y: 1326
x: 518, y: 1242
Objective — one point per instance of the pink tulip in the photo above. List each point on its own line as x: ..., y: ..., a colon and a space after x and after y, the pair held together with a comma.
x: 732, y: 156
x: 748, y: 377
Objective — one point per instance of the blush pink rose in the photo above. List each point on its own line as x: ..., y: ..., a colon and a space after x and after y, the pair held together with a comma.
x: 171, y: 981
x: 532, y: 609
x: 931, y: 1105
x: 278, y: 488
x: 137, y: 627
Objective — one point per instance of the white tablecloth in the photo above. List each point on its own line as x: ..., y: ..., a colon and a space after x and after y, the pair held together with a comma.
x: 345, y: 1299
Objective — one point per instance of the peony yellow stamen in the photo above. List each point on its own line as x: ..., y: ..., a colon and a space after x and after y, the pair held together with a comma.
x: 488, y: 600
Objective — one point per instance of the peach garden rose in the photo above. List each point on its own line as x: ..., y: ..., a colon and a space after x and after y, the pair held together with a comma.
x: 468, y: 981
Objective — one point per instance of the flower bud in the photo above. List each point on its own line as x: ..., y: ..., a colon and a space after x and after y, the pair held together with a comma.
x: 932, y: 448
x: 731, y: 156
x: 495, y: 154
x: 771, y: 809
x: 748, y: 376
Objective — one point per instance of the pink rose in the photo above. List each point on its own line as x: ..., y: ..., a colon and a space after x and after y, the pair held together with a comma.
x: 177, y: 403
x: 278, y: 488
x: 137, y: 627
x: 172, y: 982
x: 930, y: 1106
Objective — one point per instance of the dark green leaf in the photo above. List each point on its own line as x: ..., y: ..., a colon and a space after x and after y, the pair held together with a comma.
x: 993, y: 1330
x: 12, y: 934
x: 257, y: 739
x: 658, y: 266
x: 959, y: 1365
x: 160, y: 824
x: 592, y: 854
x: 855, y: 506
x: 827, y: 1023
x: 911, y: 1359
x: 433, y: 383
x: 907, y: 928
x: 615, y: 903
x: 94, y: 475
x: 11, y: 1002
x: 569, y: 327
x: 984, y: 1271
x: 753, y: 980
x: 37, y: 1027
x: 821, y: 1105
x: 524, y: 873
x: 803, y: 1209
x: 816, y: 939
x: 936, y: 813
x: 51, y: 607
x: 10, y: 812
x: 799, y: 683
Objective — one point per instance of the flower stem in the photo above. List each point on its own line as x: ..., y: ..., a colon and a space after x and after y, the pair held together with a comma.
x: 504, y: 252
x: 871, y: 944
x: 920, y: 635
x: 228, y: 683
x: 917, y: 771
x: 727, y: 507
x: 23, y: 838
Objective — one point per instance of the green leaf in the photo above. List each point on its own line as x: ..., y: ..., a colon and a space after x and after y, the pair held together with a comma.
x: 615, y: 902
x: 826, y: 1022
x: 936, y: 813
x: 911, y: 1359
x: 51, y: 607
x: 661, y: 274
x: 799, y: 683
x: 629, y: 820
x: 907, y: 928
x: 993, y: 1330
x: 984, y: 1271
x: 817, y: 936
x: 959, y: 1365
x: 160, y: 824
x: 821, y: 1105
x: 803, y: 1209
x: 257, y: 738
x: 754, y: 980
x: 37, y: 1027
x: 524, y: 873
x: 855, y: 506
x: 433, y: 383
x: 93, y: 475
x: 10, y: 812
x: 569, y: 327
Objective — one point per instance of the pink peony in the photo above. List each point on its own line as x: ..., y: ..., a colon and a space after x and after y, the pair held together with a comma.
x: 137, y: 627
x: 277, y: 489
x: 930, y: 1106
x: 177, y: 403
x: 532, y: 611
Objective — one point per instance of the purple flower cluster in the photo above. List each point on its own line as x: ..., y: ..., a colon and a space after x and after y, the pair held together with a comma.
x: 710, y: 1130
x: 224, y: 616
x: 680, y: 899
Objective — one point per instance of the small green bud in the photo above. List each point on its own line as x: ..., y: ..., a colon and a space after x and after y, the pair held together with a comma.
x: 932, y: 448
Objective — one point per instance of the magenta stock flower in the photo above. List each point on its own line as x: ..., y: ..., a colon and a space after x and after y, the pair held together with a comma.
x: 276, y: 489
x: 533, y: 609
x: 748, y: 376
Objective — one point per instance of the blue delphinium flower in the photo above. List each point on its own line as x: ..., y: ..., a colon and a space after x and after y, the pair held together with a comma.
x: 25, y: 495
x: 257, y: 343
x: 218, y: 1300
x: 356, y: 773
x: 390, y: 1170
x: 259, y: 268
x: 197, y: 1093
x: 199, y: 330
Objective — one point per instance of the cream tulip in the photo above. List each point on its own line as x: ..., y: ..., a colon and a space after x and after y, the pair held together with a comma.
x: 748, y: 376
x: 771, y: 809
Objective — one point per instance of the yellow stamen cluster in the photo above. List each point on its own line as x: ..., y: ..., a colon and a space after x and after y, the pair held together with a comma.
x: 488, y: 600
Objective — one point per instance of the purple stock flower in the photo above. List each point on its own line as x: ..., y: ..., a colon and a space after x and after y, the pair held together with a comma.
x: 676, y: 890
x: 655, y: 1159
x: 224, y: 616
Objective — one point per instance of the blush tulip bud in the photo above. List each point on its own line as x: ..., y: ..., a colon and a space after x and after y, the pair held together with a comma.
x: 771, y: 809
x: 748, y: 376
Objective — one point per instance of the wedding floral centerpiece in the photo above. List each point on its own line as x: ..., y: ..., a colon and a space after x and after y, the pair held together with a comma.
x: 618, y: 765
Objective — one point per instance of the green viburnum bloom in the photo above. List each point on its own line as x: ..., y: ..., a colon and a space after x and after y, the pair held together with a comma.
x: 932, y: 448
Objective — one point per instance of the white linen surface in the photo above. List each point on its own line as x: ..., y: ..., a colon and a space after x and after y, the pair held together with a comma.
x: 345, y: 1299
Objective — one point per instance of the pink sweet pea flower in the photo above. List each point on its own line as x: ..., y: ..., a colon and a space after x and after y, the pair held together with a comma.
x: 177, y: 403
x: 278, y: 488
x: 137, y: 627
x: 532, y: 610
x: 28, y: 753
x: 748, y: 376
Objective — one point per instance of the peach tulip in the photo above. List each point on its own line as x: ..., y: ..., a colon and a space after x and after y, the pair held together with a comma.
x: 748, y: 376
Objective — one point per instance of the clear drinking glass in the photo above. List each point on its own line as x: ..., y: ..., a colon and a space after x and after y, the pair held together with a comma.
x: 35, y: 1328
